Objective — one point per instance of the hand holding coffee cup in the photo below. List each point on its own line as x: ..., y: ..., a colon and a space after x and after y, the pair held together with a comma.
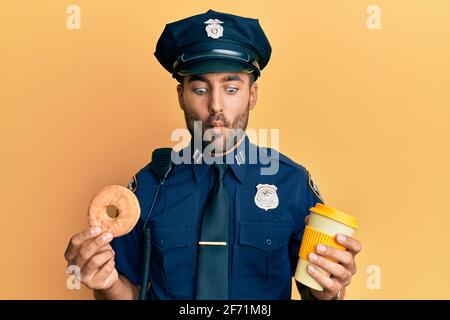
x: 326, y: 257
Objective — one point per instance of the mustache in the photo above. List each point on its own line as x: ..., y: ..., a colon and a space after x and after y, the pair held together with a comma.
x: 218, y: 117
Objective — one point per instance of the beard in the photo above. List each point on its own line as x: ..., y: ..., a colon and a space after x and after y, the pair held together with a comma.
x: 223, y: 138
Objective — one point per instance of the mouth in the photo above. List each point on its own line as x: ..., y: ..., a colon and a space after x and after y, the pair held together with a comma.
x: 216, y: 124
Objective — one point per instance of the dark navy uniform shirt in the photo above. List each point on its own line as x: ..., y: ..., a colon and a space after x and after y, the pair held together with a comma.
x: 263, y: 244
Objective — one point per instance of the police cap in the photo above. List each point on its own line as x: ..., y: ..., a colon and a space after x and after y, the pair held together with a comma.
x: 213, y: 42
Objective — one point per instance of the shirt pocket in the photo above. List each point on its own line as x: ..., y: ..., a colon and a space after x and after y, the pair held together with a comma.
x: 264, y: 256
x: 173, y: 256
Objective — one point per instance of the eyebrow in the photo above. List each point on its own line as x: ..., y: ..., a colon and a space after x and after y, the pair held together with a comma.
x: 197, y: 77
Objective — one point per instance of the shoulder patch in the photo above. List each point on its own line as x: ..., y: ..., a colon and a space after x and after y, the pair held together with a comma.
x: 314, y: 187
x: 133, y: 184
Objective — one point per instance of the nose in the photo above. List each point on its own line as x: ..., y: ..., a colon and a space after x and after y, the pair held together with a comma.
x: 215, y: 104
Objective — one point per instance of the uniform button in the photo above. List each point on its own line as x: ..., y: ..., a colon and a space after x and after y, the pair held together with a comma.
x: 269, y: 242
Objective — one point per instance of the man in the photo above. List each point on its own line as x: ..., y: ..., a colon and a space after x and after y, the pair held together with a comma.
x: 220, y: 229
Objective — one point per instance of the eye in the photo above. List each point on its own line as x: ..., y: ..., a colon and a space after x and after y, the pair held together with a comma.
x: 231, y: 90
x: 199, y: 91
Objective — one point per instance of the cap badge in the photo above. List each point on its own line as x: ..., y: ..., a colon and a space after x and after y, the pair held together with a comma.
x: 266, y: 196
x: 214, y: 29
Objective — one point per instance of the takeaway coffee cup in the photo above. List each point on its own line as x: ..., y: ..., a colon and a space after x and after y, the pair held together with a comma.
x: 323, y: 225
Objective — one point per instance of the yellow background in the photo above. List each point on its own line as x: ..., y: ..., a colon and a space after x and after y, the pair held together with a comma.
x: 366, y: 111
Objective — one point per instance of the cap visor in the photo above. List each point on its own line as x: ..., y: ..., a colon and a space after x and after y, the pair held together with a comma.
x: 210, y: 66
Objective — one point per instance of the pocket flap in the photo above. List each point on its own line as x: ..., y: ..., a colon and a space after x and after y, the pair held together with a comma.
x: 265, y: 236
x: 170, y: 236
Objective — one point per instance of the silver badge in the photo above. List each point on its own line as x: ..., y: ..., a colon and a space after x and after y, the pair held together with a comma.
x: 214, y: 29
x: 266, y: 196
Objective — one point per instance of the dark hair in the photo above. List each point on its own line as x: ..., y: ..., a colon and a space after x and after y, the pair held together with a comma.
x: 252, y: 78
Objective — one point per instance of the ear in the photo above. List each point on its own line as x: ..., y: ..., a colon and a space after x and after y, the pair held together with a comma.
x: 253, y: 95
x: 180, y: 95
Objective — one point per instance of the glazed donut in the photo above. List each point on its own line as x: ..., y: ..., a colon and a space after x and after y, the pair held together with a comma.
x: 126, y: 203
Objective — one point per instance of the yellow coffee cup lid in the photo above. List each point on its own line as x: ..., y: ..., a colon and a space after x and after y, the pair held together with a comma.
x: 335, y: 215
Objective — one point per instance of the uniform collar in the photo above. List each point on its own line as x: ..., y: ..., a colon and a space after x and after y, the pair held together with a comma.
x: 238, y: 165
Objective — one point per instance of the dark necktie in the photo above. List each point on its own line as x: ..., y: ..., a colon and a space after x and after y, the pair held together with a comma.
x: 212, y: 269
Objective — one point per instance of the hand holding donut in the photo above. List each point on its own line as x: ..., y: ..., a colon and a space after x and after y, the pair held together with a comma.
x: 91, y: 252
x: 90, y: 249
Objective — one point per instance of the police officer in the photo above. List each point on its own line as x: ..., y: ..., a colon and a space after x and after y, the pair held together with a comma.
x: 221, y: 227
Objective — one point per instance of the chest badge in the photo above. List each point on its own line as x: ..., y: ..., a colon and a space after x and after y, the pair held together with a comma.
x: 266, y: 196
x: 214, y: 29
